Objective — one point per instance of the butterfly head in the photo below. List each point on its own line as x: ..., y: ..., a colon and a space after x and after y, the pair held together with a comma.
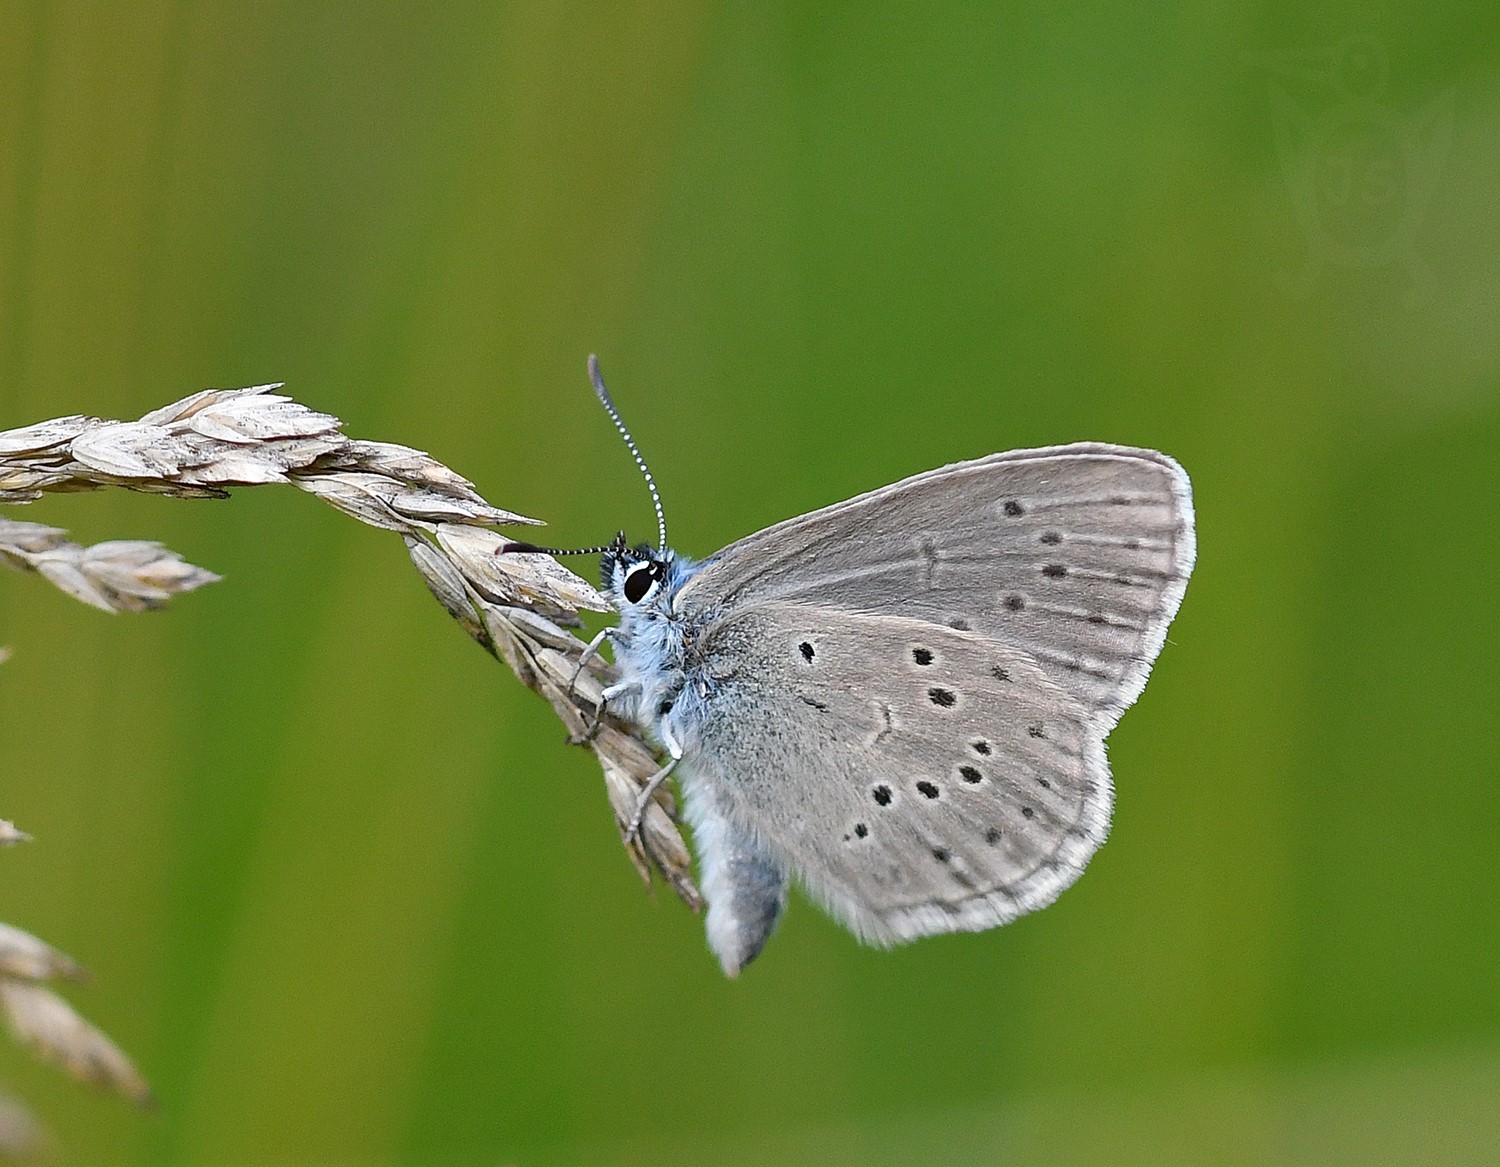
x: 634, y: 577
x: 641, y: 578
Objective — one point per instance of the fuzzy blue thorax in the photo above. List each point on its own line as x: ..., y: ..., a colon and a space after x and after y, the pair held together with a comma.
x: 652, y: 637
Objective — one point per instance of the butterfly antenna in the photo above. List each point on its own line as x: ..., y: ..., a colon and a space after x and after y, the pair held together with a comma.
x: 521, y: 548
x: 603, y: 394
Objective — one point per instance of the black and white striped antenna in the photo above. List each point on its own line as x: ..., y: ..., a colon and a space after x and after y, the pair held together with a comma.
x: 661, y: 519
x: 604, y: 399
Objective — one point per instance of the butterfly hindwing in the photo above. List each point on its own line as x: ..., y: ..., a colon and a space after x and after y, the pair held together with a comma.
x: 918, y: 779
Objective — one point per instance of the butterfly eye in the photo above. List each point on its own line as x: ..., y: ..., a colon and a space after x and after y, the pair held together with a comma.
x: 639, y: 581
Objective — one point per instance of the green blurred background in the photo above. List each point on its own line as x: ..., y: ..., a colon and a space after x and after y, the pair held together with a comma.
x: 348, y: 898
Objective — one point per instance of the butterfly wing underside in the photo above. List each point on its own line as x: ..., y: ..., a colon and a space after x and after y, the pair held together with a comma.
x: 1076, y: 555
x: 916, y: 778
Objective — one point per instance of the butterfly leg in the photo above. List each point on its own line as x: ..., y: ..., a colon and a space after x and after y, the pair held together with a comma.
x: 653, y: 784
x: 591, y: 726
x: 590, y: 651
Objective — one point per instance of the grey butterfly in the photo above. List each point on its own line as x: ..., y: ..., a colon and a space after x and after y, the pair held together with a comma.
x: 902, y: 699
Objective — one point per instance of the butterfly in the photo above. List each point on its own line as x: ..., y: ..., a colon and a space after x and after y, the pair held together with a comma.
x: 901, y: 700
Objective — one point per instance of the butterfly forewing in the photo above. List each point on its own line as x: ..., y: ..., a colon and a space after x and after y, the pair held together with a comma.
x: 1076, y: 555
x: 918, y: 779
